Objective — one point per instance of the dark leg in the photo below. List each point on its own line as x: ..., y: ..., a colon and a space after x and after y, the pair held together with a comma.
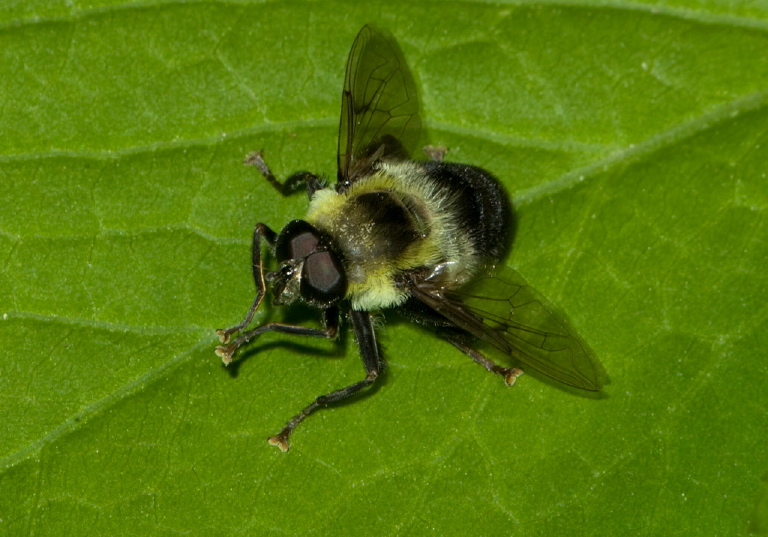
x: 261, y: 230
x: 369, y: 351
x: 510, y: 374
x: 292, y: 183
x: 330, y: 322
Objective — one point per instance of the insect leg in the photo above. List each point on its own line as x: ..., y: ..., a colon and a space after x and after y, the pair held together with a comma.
x: 369, y: 350
x: 330, y: 323
x: 510, y: 374
x: 292, y: 183
x: 261, y: 230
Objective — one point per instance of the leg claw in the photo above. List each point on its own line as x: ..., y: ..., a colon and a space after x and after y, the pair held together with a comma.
x: 280, y: 442
x: 223, y: 335
x: 510, y: 377
x: 225, y: 353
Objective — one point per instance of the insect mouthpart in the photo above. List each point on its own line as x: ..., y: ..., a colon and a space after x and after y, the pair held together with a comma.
x: 286, y: 282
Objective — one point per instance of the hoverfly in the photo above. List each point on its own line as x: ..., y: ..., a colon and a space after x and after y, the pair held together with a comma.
x: 396, y: 233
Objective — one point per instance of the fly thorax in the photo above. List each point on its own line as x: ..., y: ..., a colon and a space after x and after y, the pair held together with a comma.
x: 377, y: 228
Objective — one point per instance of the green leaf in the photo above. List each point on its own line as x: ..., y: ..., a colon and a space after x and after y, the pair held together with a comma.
x: 632, y: 138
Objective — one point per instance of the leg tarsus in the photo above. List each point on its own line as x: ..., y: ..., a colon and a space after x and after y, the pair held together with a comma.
x: 257, y: 159
x: 225, y: 352
x: 509, y: 374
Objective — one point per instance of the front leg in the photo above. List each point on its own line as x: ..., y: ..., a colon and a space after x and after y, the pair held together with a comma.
x: 261, y: 230
x: 330, y: 330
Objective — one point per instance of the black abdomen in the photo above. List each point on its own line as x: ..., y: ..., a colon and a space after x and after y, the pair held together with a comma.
x: 483, y: 206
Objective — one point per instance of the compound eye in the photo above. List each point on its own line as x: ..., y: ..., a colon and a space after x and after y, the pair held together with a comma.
x: 302, y: 245
x: 322, y: 279
x: 296, y: 241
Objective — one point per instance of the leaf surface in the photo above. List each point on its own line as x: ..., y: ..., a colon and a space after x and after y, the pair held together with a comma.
x: 632, y: 139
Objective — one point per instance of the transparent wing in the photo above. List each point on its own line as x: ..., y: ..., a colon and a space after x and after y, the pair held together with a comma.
x: 513, y: 317
x: 379, y: 105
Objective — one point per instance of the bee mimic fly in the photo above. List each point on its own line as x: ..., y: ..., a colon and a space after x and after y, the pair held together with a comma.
x: 396, y: 233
